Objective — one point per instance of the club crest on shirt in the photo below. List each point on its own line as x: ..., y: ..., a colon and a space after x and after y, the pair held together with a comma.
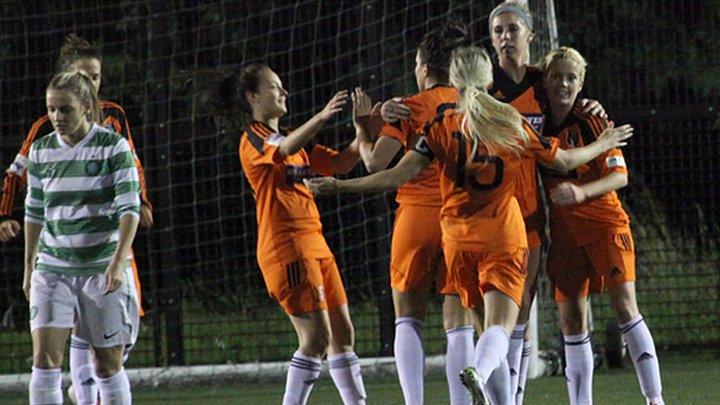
x: 92, y: 167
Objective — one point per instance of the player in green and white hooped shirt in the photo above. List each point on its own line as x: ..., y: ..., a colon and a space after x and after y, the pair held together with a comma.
x: 81, y: 216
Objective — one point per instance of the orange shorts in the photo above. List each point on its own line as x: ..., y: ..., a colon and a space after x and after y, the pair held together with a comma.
x: 416, y: 251
x: 474, y: 273
x: 137, y: 285
x: 576, y: 271
x: 305, y: 285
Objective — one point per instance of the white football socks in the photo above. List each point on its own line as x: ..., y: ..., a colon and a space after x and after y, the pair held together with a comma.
x: 458, y: 356
x: 345, y: 372
x: 522, y: 376
x: 410, y: 359
x: 82, y: 372
x: 45, y: 386
x: 490, y: 350
x: 498, y: 385
x: 302, y: 374
x: 115, y: 390
x: 579, y: 366
x: 642, y: 351
x: 514, y: 355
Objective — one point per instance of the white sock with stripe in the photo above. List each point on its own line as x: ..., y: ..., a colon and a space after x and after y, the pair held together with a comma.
x: 579, y: 368
x: 302, y: 374
x: 514, y: 355
x: 523, y: 375
x: 642, y: 351
x: 345, y: 372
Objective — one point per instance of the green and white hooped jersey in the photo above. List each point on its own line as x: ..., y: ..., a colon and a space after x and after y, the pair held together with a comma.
x: 78, y: 193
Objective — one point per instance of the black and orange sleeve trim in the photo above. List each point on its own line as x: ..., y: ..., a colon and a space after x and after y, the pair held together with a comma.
x: 13, y: 182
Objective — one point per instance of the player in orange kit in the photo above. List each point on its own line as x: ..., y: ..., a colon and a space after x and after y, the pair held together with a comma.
x: 416, y: 254
x: 480, y: 147
x: 592, y: 248
x: 296, y: 263
x: 75, y: 54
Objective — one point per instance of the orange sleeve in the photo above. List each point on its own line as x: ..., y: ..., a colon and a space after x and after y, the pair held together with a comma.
x: 403, y: 130
x: 541, y: 148
x: 121, y: 125
x: 611, y: 161
x: 265, y: 145
x: 15, y: 175
x: 321, y: 159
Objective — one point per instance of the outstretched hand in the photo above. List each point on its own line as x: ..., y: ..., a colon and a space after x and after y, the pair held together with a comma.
x: 394, y: 110
x: 366, y: 116
x: 613, y: 137
x: 334, y: 106
x: 321, y: 185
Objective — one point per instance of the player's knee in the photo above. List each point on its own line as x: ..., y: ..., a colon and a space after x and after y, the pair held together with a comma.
x: 573, y: 326
x: 626, y: 312
x: 107, y: 369
x: 47, y: 359
x: 316, y: 343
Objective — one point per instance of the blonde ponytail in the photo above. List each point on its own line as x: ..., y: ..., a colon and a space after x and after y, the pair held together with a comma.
x: 485, y: 120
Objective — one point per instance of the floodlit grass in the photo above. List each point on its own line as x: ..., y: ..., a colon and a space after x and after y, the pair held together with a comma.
x: 687, y: 379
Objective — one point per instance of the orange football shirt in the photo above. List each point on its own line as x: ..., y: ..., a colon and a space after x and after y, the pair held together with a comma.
x: 425, y: 106
x: 288, y: 220
x: 584, y: 223
x: 479, y: 211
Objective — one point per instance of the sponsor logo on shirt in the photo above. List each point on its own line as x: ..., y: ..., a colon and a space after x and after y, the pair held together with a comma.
x: 537, y: 121
x: 274, y: 139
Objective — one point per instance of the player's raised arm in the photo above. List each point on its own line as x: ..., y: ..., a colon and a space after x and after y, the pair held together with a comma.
x: 300, y: 137
x: 611, y: 138
x: 411, y: 164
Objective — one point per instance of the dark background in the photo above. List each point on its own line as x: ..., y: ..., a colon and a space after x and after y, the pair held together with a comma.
x: 652, y: 64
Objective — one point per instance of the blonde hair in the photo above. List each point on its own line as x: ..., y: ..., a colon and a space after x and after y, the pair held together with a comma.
x: 484, y: 119
x: 565, y: 53
x: 79, y: 83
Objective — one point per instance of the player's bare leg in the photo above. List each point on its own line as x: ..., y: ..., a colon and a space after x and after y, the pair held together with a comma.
x: 112, y: 381
x: 343, y: 363
x: 520, y: 344
x: 313, y: 331
x: 500, y: 315
x: 579, y: 362
x: 639, y: 340
x: 46, y: 378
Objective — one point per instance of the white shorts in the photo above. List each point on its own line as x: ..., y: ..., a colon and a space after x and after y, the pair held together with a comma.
x: 102, y: 320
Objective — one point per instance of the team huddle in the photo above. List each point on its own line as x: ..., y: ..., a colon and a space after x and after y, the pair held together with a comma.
x: 481, y: 141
